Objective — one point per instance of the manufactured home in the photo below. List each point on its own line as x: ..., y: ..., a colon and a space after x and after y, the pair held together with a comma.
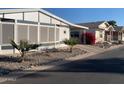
x: 34, y: 25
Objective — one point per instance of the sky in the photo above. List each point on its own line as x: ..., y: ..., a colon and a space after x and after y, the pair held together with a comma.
x: 81, y: 15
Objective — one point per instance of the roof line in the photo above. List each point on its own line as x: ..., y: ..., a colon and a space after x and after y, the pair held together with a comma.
x: 40, y: 10
x: 67, y: 22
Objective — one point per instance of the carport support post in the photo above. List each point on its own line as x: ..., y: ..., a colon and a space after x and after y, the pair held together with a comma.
x: 38, y: 37
x: 15, y: 34
x: 55, y: 37
x: 38, y: 31
x: 0, y: 34
x: 121, y: 35
x: 84, y: 37
x: 112, y: 36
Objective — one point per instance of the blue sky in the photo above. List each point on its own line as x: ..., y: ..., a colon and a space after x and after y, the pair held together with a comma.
x: 79, y: 15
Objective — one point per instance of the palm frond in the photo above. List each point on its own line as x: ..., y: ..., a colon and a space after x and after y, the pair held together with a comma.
x: 14, y: 44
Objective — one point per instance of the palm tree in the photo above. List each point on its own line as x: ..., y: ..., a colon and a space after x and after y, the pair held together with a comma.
x: 112, y: 23
x: 23, y: 47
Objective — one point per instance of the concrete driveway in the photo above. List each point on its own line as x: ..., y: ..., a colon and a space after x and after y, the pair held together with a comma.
x: 105, y: 68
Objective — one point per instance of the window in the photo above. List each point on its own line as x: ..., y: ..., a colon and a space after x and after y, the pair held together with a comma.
x: 101, y: 36
x: 33, y: 34
x: 57, y: 34
x: 75, y: 34
x: 43, y: 34
x: 51, y: 34
x: 22, y: 32
x: 7, y: 33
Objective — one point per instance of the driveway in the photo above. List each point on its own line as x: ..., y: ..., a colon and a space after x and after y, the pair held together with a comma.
x: 105, y: 68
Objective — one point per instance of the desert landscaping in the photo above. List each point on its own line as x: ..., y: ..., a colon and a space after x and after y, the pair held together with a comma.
x: 48, y: 57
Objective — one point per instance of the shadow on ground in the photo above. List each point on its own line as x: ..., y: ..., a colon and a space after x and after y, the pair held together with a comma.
x: 12, y: 59
x: 112, y: 70
x: 113, y: 65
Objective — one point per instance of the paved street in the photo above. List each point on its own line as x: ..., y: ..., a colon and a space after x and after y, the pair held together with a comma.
x: 107, y: 68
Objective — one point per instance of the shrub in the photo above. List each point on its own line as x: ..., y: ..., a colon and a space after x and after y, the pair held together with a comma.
x: 90, y: 37
x: 23, y: 47
x: 71, y: 42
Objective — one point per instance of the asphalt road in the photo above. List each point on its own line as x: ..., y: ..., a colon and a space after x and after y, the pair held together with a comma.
x: 105, y: 68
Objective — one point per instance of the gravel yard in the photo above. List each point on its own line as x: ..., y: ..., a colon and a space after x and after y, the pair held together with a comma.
x: 11, y: 63
x: 106, y: 45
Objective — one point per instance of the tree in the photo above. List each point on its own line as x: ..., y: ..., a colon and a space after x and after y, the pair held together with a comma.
x: 71, y: 42
x: 113, y: 23
x: 23, y: 47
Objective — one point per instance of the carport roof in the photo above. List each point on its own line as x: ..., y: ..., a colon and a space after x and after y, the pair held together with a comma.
x: 92, y: 24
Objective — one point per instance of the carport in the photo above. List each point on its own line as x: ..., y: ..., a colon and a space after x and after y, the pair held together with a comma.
x: 77, y: 32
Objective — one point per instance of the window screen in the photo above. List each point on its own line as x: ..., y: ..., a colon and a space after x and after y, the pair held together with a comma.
x: 43, y: 34
x: 33, y: 34
x: 51, y: 34
x: 7, y: 33
x: 57, y: 34
x: 0, y: 34
x: 22, y: 33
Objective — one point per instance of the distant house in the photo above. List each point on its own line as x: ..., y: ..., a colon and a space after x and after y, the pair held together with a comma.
x: 34, y: 25
x: 101, y: 30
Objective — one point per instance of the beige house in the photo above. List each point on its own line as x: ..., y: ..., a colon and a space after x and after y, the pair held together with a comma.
x: 101, y: 29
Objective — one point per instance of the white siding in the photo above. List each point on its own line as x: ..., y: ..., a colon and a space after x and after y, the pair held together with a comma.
x: 97, y: 36
x: 64, y: 24
x: 14, y: 16
x: 123, y: 36
x: 54, y: 21
x: 1, y: 15
x: 65, y: 35
x: 44, y: 18
x: 31, y: 16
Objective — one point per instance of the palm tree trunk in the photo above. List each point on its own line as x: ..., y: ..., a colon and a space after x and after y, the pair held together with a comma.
x: 22, y: 56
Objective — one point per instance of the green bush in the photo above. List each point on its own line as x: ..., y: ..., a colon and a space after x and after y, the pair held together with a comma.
x: 71, y: 42
x: 23, y: 47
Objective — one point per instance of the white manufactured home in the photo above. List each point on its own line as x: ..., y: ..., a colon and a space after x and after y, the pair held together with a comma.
x: 34, y: 25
